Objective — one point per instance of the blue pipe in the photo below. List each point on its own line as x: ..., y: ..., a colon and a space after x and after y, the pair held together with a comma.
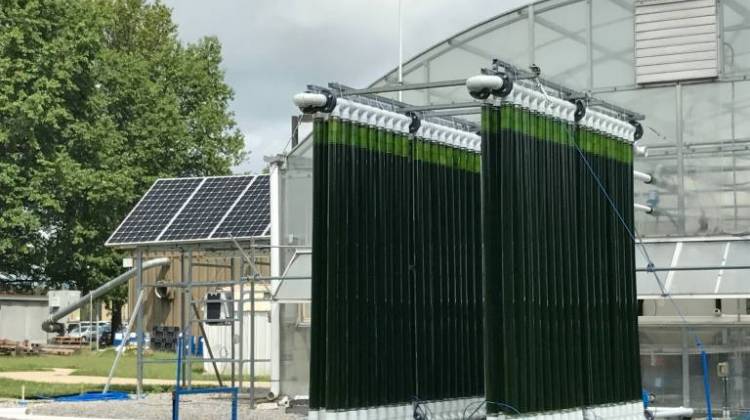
x: 176, y: 392
x: 706, y: 382
x: 179, y: 361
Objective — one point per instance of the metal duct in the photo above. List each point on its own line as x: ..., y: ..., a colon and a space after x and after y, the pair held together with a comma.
x: 50, y: 325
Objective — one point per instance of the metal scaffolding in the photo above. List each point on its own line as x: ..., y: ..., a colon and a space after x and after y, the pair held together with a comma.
x: 245, y: 277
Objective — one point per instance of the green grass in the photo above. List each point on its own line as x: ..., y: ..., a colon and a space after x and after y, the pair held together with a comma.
x: 88, y: 363
x: 10, y: 388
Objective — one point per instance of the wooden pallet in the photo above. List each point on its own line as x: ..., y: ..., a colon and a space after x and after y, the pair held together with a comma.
x: 17, y: 348
x: 67, y: 340
x: 59, y: 349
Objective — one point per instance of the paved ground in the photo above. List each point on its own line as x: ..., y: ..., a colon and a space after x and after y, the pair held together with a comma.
x: 64, y: 376
x: 154, y: 406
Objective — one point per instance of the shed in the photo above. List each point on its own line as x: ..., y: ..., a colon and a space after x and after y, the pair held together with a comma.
x: 21, y: 317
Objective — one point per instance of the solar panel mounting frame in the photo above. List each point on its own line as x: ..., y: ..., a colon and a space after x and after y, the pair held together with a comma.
x: 159, y: 243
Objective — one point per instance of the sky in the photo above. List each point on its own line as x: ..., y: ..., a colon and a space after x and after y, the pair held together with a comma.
x: 272, y: 49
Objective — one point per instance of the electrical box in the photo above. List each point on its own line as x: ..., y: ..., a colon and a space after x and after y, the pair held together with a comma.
x: 219, y: 308
x: 722, y: 369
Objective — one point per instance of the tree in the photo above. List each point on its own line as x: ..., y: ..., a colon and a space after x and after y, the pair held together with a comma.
x: 98, y: 98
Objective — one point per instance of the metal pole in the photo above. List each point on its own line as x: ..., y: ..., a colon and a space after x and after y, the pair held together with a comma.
x: 701, y: 268
x: 234, y: 403
x: 385, y: 89
x: 189, y: 333
x: 124, y: 342
x: 685, y: 369
x: 96, y: 319
x: 680, y: 159
x: 91, y: 320
x: 252, y: 333
x: 241, y: 312
x: 207, y: 344
x: 531, y: 34
x: 139, y: 336
x: 184, y: 324
x: 400, y: 51
x: 233, y: 333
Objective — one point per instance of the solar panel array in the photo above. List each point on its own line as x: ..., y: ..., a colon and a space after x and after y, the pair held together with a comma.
x: 196, y: 210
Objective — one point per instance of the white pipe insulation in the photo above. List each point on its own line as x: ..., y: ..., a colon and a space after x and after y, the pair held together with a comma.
x: 484, y: 82
x: 643, y: 208
x: 661, y: 412
x: 551, y: 105
x: 642, y: 176
x: 348, y: 110
x: 307, y: 100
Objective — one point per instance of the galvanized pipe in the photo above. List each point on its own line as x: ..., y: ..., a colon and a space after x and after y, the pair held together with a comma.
x: 50, y: 324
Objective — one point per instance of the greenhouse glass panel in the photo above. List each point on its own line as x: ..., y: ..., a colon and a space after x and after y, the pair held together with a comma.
x: 495, y: 44
x: 708, y: 192
x: 296, y: 200
x: 704, y: 113
x: 661, y: 255
x: 697, y: 254
x: 740, y: 111
x: 662, y: 376
x: 736, y: 281
x: 660, y: 135
x: 458, y: 63
x: 560, y: 44
x: 612, y: 20
x: 295, y: 290
x: 735, y: 14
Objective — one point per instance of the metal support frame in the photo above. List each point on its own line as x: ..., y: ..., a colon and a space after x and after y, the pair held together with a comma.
x: 139, y: 336
x: 123, y: 343
x: 219, y: 390
x: 178, y: 391
x: 208, y: 345
x: 404, y: 87
x: 252, y: 331
x: 564, y: 92
x: 370, y: 95
x: 697, y: 268
x: 244, y: 275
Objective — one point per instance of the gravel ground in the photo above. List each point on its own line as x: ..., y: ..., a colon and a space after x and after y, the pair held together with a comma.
x: 157, y: 406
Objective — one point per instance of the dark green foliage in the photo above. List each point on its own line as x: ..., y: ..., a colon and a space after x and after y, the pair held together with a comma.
x: 396, y: 259
x: 559, y: 282
x: 97, y: 99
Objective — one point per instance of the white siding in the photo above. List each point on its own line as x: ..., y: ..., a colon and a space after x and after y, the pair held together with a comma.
x: 220, y: 338
x: 675, y: 40
x: 22, y: 320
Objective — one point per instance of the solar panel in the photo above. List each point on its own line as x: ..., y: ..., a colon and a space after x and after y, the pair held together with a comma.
x: 198, y: 209
x: 155, y: 210
x: 207, y: 207
x: 252, y: 214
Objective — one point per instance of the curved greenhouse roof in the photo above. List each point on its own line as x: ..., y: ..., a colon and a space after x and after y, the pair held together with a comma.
x: 682, y: 63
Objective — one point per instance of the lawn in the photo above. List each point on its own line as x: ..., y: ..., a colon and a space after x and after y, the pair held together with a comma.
x: 88, y: 363
x: 12, y: 389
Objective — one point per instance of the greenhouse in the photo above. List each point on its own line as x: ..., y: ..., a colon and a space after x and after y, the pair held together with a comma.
x: 684, y: 66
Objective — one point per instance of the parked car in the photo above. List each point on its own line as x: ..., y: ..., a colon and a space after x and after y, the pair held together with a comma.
x: 105, y: 335
x: 82, y: 331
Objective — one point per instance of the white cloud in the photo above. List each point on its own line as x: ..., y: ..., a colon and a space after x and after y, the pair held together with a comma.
x: 273, y: 48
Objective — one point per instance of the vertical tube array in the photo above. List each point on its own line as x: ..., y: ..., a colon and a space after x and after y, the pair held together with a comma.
x: 396, y: 283
x: 558, y: 266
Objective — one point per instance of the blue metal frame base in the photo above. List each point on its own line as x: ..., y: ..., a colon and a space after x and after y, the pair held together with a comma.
x: 221, y: 390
